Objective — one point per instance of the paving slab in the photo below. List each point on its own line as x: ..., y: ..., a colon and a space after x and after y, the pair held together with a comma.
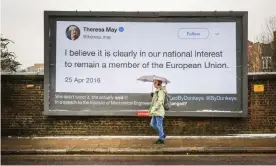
x: 136, y: 146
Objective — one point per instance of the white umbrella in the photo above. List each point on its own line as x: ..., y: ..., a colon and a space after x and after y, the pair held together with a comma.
x: 151, y: 78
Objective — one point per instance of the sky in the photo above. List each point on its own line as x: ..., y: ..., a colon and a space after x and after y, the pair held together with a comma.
x: 22, y: 20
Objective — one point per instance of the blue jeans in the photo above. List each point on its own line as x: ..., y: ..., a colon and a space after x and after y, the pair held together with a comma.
x: 157, y: 124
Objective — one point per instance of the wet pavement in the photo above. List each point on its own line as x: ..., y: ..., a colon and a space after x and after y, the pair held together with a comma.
x: 136, y: 146
x: 225, y: 159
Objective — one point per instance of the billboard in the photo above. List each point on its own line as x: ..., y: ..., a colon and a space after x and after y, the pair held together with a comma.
x: 93, y: 61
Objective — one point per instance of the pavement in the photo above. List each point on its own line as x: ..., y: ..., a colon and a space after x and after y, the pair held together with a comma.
x: 137, y: 145
x: 224, y: 159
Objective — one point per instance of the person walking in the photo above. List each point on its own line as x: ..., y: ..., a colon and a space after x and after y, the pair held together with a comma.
x: 157, y: 111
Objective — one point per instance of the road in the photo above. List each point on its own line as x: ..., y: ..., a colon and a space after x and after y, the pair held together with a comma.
x: 237, y: 159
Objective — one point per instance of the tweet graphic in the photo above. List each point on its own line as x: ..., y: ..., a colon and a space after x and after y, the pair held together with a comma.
x: 197, y: 57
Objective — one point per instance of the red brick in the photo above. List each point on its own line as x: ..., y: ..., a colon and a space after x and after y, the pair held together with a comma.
x: 22, y: 115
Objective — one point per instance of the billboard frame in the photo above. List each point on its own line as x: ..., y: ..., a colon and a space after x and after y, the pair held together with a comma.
x: 47, y: 46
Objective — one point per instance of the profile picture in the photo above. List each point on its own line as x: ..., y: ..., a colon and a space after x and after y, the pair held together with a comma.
x: 73, y: 32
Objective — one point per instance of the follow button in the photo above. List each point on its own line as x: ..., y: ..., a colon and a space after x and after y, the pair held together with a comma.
x: 193, y: 33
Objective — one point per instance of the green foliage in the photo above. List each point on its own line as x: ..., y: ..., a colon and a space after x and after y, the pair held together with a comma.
x: 8, y: 62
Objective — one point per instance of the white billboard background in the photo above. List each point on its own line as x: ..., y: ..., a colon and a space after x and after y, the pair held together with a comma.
x: 148, y: 37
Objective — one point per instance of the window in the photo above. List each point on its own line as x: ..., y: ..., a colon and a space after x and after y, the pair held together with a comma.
x: 266, y: 62
x: 40, y: 70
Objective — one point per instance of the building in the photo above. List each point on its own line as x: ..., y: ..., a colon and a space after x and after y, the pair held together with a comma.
x: 30, y: 69
x: 39, y: 67
x: 254, y: 57
x: 250, y: 56
x: 262, y: 56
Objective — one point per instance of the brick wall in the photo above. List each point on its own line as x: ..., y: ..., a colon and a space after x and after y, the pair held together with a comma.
x: 22, y: 108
